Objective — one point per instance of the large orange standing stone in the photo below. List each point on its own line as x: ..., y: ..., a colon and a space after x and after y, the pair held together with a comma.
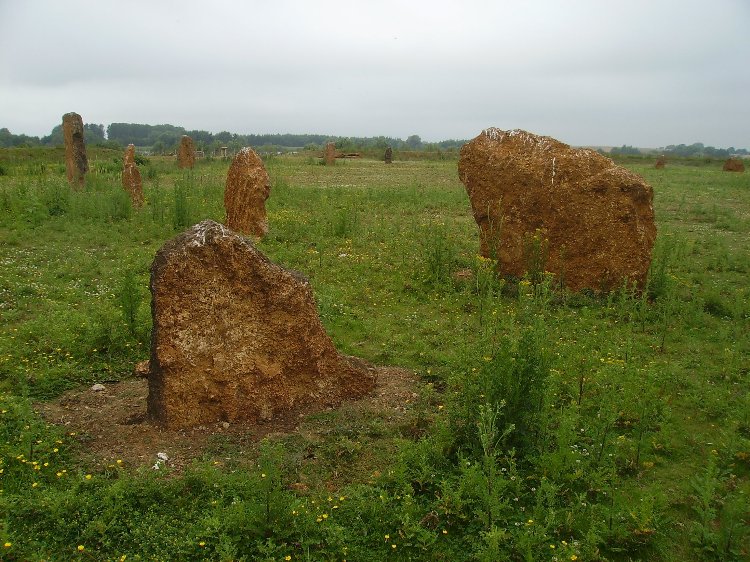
x: 186, y: 153
x: 76, y: 162
x: 595, y: 219
x: 131, y: 177
x: 237, y: 338
x: 247, y: 189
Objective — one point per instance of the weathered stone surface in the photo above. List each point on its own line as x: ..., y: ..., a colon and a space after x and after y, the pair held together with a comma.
x: 330, y: 154
x: 129, y: 157
x: 593, y: 220
x: 661, y: 162
x: 186, y: 153
x: 133, y: 184
x: 141, y: 369
x: 238, y: 338
x: 76, y: 162
x: 734, y: 165
x: 247, y: 189
x: 388, y: 157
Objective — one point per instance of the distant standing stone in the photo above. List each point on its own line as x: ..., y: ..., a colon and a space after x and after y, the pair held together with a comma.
x: 388, y: 155
x: 247, y: 189
x: 734, y: 165
x: 238, y: 338
x: 76, y: 162
x: 131, y: 177
x: 330, y: 154
x: 541, y: 204
x: 186, y: 153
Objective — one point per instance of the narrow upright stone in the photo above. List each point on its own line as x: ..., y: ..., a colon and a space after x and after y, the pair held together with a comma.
x: 131, y: 177
x: 76, y: 162
x: 129, y: 157
x: 247, y: 189
x: 388, y: 155
x: 330, y: 154
x: 186, y: 153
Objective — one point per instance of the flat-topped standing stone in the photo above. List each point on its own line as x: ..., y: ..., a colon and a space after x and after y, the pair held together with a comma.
x: 76, y: 162
x: 388, y: 157
x: 330, y: 154
x: 186, y: 153
x: 238, y: 338
x: 245, y: 194
x: 597, y: 217
x: 734, y: 165
x: 131, y: 177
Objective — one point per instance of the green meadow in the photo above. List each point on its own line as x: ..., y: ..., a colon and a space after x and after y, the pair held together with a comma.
x: 539, y: 425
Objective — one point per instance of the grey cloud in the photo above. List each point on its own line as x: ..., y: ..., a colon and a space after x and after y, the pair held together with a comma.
x: 589, y: 72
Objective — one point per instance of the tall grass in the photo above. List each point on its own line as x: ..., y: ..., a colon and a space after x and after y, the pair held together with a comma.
x: 544, y: 425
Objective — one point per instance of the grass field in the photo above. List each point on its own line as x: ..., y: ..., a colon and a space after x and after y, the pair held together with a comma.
x: 540, y: 425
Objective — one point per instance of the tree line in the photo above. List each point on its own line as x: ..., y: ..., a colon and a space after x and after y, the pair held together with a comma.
x: 697, y: 149
x: 160, y: 139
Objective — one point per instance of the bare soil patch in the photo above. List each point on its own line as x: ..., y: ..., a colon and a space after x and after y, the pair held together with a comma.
x: 111, y: 425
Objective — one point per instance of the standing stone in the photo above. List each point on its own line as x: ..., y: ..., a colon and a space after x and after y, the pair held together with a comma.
x: 131, y: 177
x: 237, y: 338
x: 734, y: 165
x: 76, y: 162
x: 247, y: 189
x: 186, y: 153
x: 661, y: 162
x: 388, y: 155
x: 593, y: 219
x: 129, y: 157
x: 330, y: 154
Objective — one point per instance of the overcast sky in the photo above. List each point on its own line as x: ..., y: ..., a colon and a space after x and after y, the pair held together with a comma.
x: 589, y: 72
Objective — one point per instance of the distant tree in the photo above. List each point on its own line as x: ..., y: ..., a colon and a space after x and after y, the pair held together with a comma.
x: 129, y: 133
x: 625, y: 149
x: 452, y: 143
x: 93, y: 134
x: 414, y: 142
x: 203, y: 138
x: 8, y: 139
x: 224, y: 136
x: 698, y: 149
x: 168, y: 139
x: 55, y: 138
